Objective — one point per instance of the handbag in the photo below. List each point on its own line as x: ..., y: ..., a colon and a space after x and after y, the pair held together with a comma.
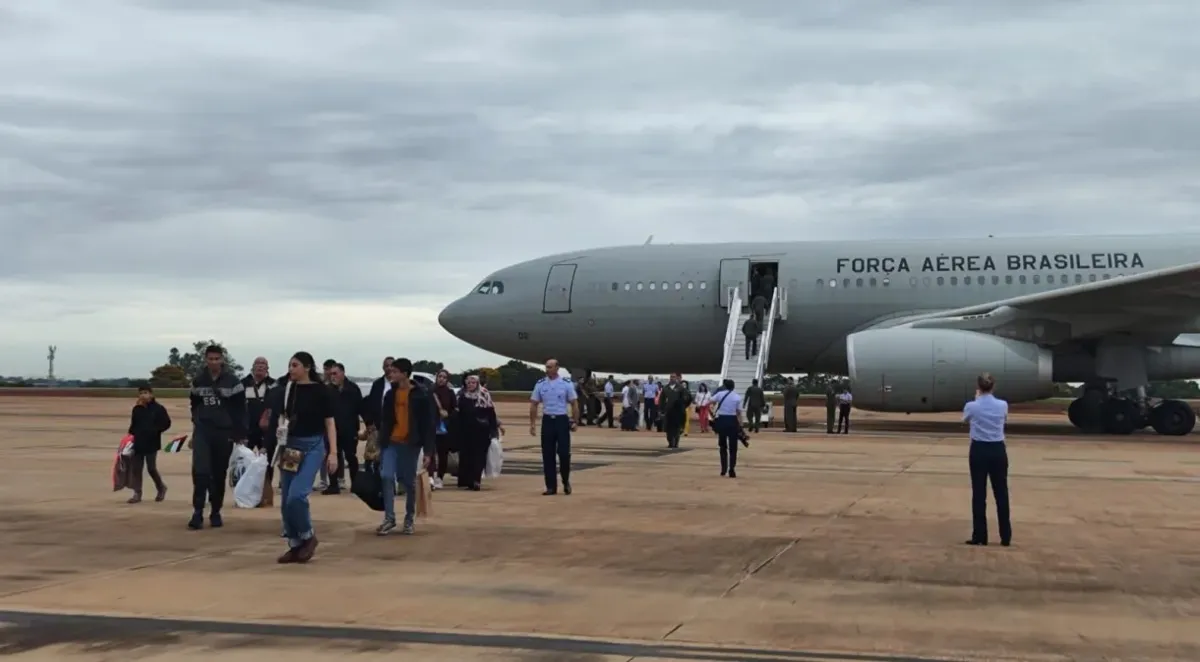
x: 288, y: 459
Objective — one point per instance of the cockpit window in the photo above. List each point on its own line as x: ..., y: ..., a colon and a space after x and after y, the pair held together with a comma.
x: 485, y: 288
x: 497, y: 287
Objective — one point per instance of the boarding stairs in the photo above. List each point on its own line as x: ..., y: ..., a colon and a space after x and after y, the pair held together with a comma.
x: 734, y: 364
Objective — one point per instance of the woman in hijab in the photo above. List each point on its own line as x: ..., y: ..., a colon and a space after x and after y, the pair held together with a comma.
x: 447, y: 418
x: 476, y: 423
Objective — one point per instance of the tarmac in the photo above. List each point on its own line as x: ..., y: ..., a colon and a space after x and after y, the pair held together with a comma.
x: 823, y: 548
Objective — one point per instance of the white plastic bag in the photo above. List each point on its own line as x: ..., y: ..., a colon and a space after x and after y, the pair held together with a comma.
x: 495, y: 459
x: 239, y: 460
x: 249, y: 489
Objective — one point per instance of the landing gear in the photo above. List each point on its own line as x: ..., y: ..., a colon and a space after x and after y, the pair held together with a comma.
x: 1099, y: 412
x: 1173, y: 418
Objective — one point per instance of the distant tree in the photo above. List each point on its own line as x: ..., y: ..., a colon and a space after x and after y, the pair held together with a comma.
x: 192, y: 362
x: 431, y: 367
x: 169, y: 376
x: 1180, y: 389
x: 520, y: 376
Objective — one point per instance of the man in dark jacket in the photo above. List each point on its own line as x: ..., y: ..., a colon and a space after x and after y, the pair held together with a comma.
x: 674, y: 403
x: 348, y: 400
x: 791, y: 400
x: 751, y: 330
x: 374, y: 401
x: 147, y: 423
x: 756, y: 401
x: 218, y: 404
x: 258, y: 384
x: 407, y: 426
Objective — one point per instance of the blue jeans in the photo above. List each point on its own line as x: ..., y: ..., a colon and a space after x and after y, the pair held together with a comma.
x: 399, y: 460
x: 295, y: 487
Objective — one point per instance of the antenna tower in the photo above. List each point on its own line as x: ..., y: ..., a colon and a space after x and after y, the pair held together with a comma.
x: 50, y: 358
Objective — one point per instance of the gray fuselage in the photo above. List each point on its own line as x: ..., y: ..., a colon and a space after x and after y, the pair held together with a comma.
x: 657, y: 308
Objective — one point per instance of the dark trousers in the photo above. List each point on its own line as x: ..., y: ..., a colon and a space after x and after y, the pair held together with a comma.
x: 347, y: 457
x: 830, y: 417
x: 754, y: 417
x: 650, y: 411
x: 674, y: 425
x: 989, y: 461
x: 789, y: 417
x: 726, y: 428
x: 211, y: 449
x: 472, y: 456
x: 843, y: 425
x: 443, y: 457
x: 608, y: 413
x: 148, y: 461
x: 751, y: 347
x: 556, y: 440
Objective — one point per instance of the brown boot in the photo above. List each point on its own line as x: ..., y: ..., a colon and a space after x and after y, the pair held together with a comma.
x: 304, y: 552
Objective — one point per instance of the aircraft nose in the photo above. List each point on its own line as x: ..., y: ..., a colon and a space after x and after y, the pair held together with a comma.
x: 451, y: 318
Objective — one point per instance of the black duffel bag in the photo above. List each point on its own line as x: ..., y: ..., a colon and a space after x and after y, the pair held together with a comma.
x: 368, y: 486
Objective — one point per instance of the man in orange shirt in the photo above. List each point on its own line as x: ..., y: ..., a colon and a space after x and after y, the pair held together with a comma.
x: 406, y: 427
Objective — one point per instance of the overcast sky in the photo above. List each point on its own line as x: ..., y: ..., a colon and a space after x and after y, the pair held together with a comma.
x: 327, y: 174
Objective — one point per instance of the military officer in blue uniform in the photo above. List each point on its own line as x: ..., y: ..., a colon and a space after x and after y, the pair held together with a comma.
x: 556, y: 395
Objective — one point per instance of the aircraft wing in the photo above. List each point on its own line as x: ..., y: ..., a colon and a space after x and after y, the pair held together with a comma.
x: 1159, y: 304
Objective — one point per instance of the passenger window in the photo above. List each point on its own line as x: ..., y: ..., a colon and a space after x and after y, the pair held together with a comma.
x: 832, y: 282
x: 995, y: 280
x: 845, y: 282
x: 1037, y: 279
x: 1106, y: 277
x: 927, y: 281
x: 941, y: 280
x: 704, y: 285
x: 820, y: 282
x: 1062, y: 278
x: 1022, y: 277
x: 484, y: 288
x: 690, y: 285
x: 639, y: 286
x: 616, y: 286
x: 1091, y: 278
x: 627, y: 286
x: 912, y: 281
x: 873, y: 282
x: 954, y: 280
x: 966, y: 280
x: 678, y: 285
x: 886, y: 281
x: 652, y: 285
x: 666, y: 286
x: 1078, y: 279
x: 1008, y: 280
x: 858, y: 282
x: 1050, y: 279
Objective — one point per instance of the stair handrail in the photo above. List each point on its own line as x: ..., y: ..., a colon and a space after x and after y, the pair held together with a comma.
x: 764, y: 345
x: 783, y: 302
x: 731, y: 330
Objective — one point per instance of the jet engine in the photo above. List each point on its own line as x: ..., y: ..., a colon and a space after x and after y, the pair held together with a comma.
x: 931, y: 370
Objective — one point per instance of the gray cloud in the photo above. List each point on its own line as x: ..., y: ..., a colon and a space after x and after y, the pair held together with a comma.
x: 315, y: 146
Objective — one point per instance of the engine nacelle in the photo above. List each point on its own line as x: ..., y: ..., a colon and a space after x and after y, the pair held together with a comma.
x: 931, y: 370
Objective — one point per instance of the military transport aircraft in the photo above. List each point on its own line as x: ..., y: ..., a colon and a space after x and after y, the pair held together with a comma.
x: 911, y: 322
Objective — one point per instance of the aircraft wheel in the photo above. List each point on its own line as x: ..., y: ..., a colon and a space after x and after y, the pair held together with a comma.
x: 1086, y: 413
x: 1173, y: 418
x: 1120, y: 416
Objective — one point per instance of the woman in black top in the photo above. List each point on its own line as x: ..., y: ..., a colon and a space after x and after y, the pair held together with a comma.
x: 477, y: 423
x: 306, y: 424
x: 147, y: 423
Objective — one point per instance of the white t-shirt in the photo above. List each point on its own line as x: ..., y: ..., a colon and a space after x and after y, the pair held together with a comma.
x: 845, y: 398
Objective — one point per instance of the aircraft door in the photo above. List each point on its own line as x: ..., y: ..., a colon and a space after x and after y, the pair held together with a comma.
x: 559, y: 282
x: 734, y: 273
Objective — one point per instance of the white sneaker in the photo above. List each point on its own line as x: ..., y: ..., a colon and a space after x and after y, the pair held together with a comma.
x: 436, y: 483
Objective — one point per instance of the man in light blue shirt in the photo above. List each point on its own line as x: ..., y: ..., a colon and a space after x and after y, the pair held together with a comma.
x: 609, y: 387
x: 649, y: 407
x: 988, y: 459
x: 727, y: 423
x: 558, y: 399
